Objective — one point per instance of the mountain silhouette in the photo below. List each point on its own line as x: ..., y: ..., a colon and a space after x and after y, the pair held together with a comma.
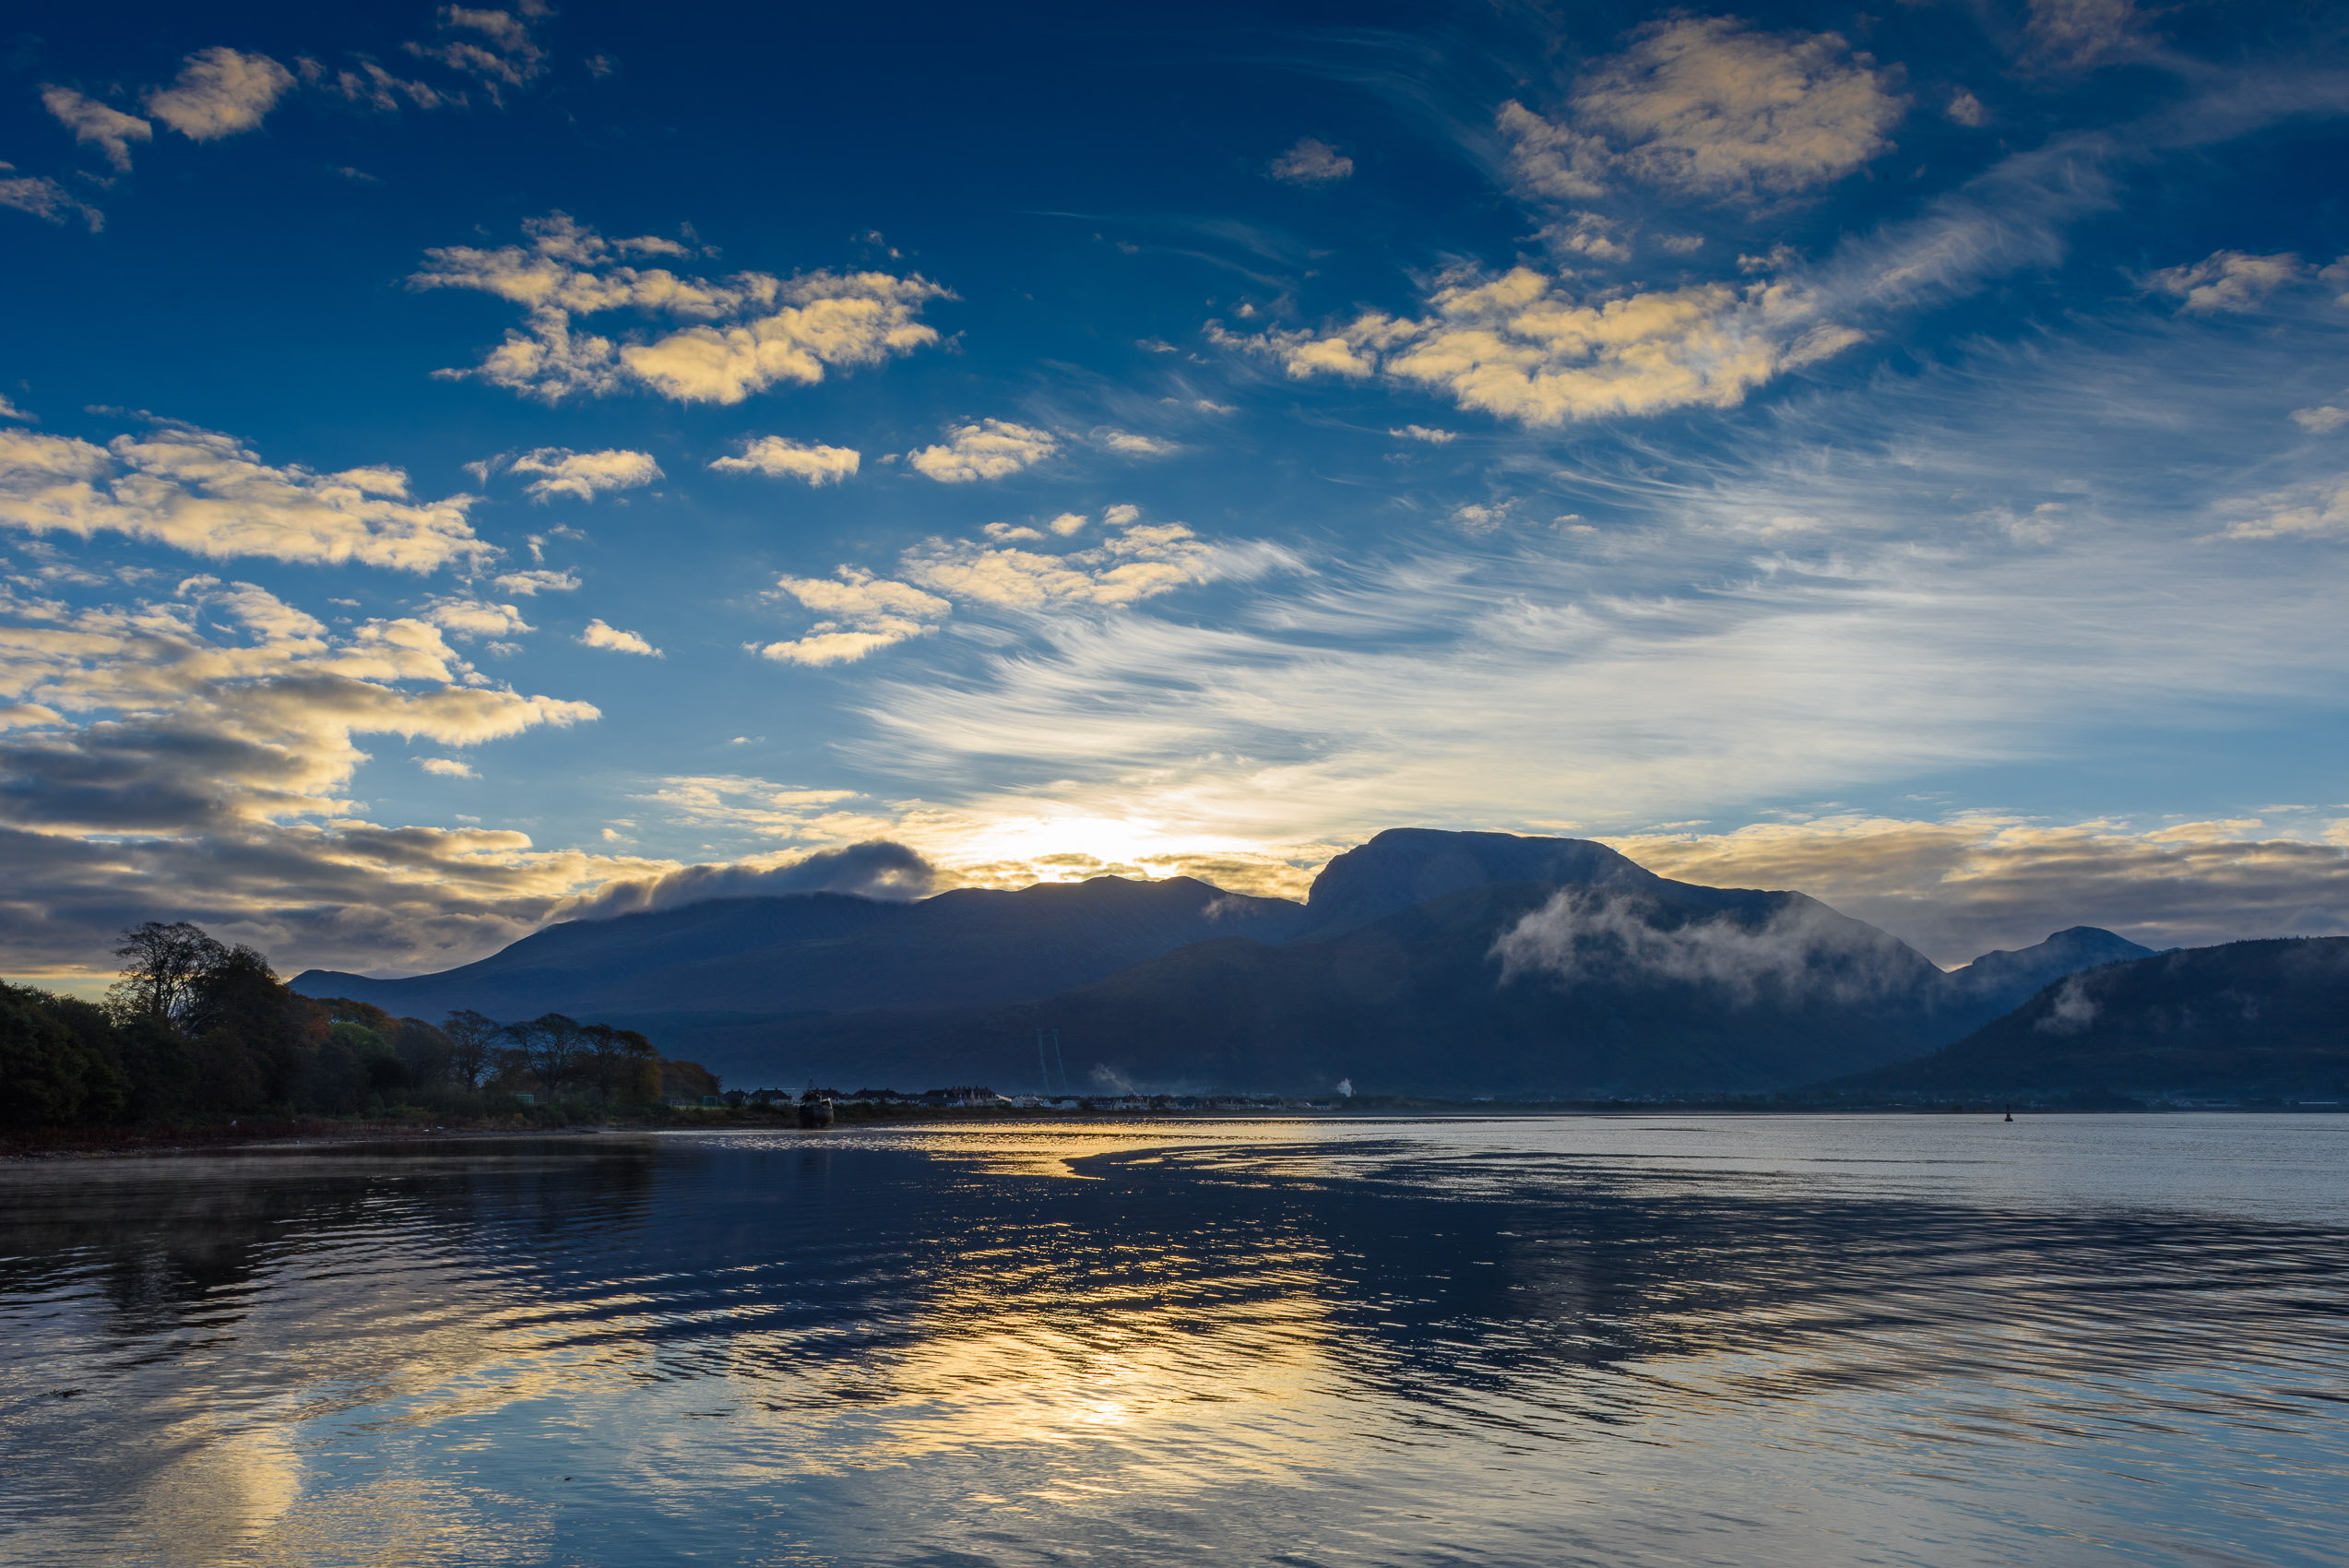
x: 822, y: 952
x: 1421, y: 961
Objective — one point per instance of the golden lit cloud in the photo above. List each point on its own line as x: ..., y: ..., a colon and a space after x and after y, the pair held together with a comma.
x: 202, y: 492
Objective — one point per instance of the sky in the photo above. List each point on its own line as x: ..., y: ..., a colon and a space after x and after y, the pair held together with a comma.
x: 467, y: 467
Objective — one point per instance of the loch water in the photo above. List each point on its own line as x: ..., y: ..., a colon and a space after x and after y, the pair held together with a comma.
x: 1605, y: 1339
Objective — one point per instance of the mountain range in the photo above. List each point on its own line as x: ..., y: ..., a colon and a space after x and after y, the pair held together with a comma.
x: 1420, y: 962
x: 2241, y: 1020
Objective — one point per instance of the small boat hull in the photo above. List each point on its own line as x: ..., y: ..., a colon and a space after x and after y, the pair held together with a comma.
x: 815, y: 1113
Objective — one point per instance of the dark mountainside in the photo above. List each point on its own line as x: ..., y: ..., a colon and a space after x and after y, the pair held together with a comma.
x: 1422, y: 961
x: 761, y: 958
x: 2247, y: 1019
x: 1741, y: 998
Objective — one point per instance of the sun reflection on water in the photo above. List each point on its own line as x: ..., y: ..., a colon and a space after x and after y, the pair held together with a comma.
x: 1496, y: 1342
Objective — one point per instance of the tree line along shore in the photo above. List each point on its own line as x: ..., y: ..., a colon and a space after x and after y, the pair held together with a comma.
x: 197, y: 1032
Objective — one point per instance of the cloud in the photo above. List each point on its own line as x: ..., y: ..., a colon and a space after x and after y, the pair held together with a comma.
x: 2320, y: 421
x: 862, y: 614
x: 779, y: 459
x: 1522, y: 348
x: 1141, y: 563
x: 475, y: 617
x: 2072, y: 1010
x: 752, y: 330
x: 532, y: 583
x: 202, y: 492
x: 1126, y: 444
x: 988, y: 449
x: 1801, y: 950
x: 220, y: 92
x: 1423, y: 432
x: 1482, y: 518
x: 170, y: 729
x: 1959, y: 888
x: 374, y: 88
x: 733, y: 802
x: 45, y: 198
x: 1702, y: 107
x: 875, y: 869
x: 346, y: 894
x: 2079, y: 33
x: 2228, y: 280
x: 94, y: 124
x: 2316, y: 507
x: 583, y: 474
x: 598, y: 634
x: 1310, y: 162
x: 447, y: 767
x: 1587, y: 234
x: 1966, y: 110
x: 502, y: 50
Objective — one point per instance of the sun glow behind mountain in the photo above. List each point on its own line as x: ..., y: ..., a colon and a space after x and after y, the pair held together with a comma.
x: 1895, y: 455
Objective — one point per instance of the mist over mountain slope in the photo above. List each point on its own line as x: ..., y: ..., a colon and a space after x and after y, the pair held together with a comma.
x: 1422, y: 960
x: 2243, y: 1020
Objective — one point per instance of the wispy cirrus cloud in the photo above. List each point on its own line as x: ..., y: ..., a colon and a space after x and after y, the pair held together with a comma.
x: 96, y: 124
x: 751, y: 331
x: 499, y: 48
x: 372, y: 87
x: 46, y: 199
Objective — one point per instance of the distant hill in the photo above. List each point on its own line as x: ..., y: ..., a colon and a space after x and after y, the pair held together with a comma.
x: 2245, y: 1020
x: 1421, y: 960
x: 820, y: 952
x: 1998, y: 982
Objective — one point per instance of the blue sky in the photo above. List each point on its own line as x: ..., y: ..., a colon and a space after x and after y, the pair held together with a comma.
x: 465, y: 467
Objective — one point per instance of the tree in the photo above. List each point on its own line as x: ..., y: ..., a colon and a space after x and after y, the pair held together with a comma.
x: 162, y: 965
x: 49, y: 1076
x: 551, y: 1047
x: 621, y: 1063
x: 472, y: 1045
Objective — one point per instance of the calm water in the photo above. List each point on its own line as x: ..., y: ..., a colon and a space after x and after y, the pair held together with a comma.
x: 1611, y: 1340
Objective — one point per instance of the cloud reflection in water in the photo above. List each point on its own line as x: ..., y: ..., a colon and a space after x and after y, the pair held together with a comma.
x: 1795, y: 1340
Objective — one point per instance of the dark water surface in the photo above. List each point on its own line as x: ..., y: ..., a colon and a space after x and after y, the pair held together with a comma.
x: 1801, y: 1340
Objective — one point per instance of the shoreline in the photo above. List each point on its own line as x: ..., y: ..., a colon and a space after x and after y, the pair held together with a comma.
x: 243, y: 1136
